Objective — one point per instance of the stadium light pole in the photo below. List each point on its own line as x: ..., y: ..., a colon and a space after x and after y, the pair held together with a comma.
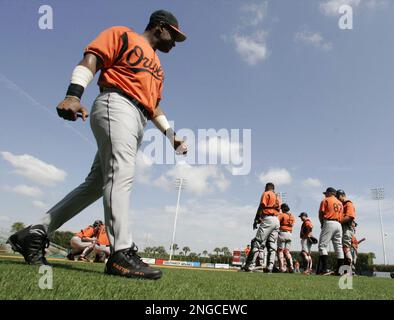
x: 378, y: 194
x: 180, y: 183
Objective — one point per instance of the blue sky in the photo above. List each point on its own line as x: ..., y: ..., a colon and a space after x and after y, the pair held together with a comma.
x: 316, y: 98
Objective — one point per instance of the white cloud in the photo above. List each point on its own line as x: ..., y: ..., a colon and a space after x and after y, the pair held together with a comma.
x: 249, y: 38
x: 311, y: 182
x: 144, y: 166
x: 40, y: 205
x: 5, y: 219
x: 313, y: 38
x: 256, y: 13
x: 278, y: 176
x: 25, y: 190
x: 202, y: 225
x: 200, y: 180
x: 252, y: 48
x: 331, y: 7
x: 35, y: 169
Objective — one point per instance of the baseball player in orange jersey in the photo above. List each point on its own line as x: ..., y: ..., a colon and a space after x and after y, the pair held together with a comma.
x: 83, y: 242
x: 354, y: 246
x: 102, y: 245
x: 348, y: 216
x: 330, y: 213
x: 131, y: 85
x: 306, y: 244
x: 286, y: 222
x: 267, y: 223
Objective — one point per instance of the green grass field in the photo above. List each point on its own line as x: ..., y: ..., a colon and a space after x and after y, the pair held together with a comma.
x: 75, y: 280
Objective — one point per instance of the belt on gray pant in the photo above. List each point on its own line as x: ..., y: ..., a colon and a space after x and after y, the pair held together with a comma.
x: 134, y: 101
x: 331, y: 220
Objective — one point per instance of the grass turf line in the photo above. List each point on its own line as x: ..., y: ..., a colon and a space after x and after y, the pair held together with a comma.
x: 87, y: 281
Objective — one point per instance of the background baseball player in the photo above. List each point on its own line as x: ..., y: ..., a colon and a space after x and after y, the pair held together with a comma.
x: 306, y: 242
x: 330, y: 213
x: 267, y: 223
x: 354, y: 246
x: 286, y: 221
x: 83, y: 242
x: 348, y: 216
x: 102, y: 246
x: 131, y: 85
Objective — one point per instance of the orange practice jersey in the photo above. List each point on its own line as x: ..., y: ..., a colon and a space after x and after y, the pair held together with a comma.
x: 247, y: 250
x: 349, y: 210
x: 306, y: 229
x: 87, y: 232
x: 130, y: 64
x: 332, y: 208
x: 286, y: 221
x: 102, y: 237
x: 271, y: 203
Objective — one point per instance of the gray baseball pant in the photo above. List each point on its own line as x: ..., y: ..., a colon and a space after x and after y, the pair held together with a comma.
x: 118, y: 127
x: 331, y: 231
x: 266, y: 236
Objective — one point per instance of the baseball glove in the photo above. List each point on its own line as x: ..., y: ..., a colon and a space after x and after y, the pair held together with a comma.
x: 312, y: 240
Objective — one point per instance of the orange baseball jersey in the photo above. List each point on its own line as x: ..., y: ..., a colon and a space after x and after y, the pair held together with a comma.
x: 332, y: 208
x: 247, y: 250
x: 286, y: 221
x: 102, y: 237
x: 270, y: 203
x: 87, y: 232
x: 349, y: 209
x: 306, y: 229
x: 130, y: 64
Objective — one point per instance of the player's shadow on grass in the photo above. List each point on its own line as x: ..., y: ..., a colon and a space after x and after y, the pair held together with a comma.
x: 57, y: 265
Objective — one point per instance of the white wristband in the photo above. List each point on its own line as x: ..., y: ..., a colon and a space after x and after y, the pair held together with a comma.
x: 161, y: 123
x: 82, y: 76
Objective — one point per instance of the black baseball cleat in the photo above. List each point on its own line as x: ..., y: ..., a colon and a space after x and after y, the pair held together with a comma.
x: 31, y: 243
x: 128, y: 264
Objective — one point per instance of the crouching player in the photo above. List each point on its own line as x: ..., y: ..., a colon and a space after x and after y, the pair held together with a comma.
x: 102, y: 248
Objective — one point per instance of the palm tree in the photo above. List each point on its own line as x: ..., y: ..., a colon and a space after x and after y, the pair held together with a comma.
x: 186, y: 250
x: 205, y: 253
x: 225, y: 251
x: 175, y: 247
x: 193, y: 255
x: 217, y: 250
x: 161, y: 251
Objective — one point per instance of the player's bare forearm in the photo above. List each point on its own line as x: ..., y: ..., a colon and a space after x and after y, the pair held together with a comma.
x: 158, y: 112
x: 159, y: 119
x: 92, y: 62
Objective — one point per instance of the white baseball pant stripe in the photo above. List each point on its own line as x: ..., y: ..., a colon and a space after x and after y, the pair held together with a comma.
x: 331, y: 231
x: 118, y: 128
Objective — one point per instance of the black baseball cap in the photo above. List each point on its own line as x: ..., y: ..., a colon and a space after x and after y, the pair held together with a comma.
x: 168, y: 18
x: 330, y: 190
x: 303, y: 214
x: 340, y: 192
